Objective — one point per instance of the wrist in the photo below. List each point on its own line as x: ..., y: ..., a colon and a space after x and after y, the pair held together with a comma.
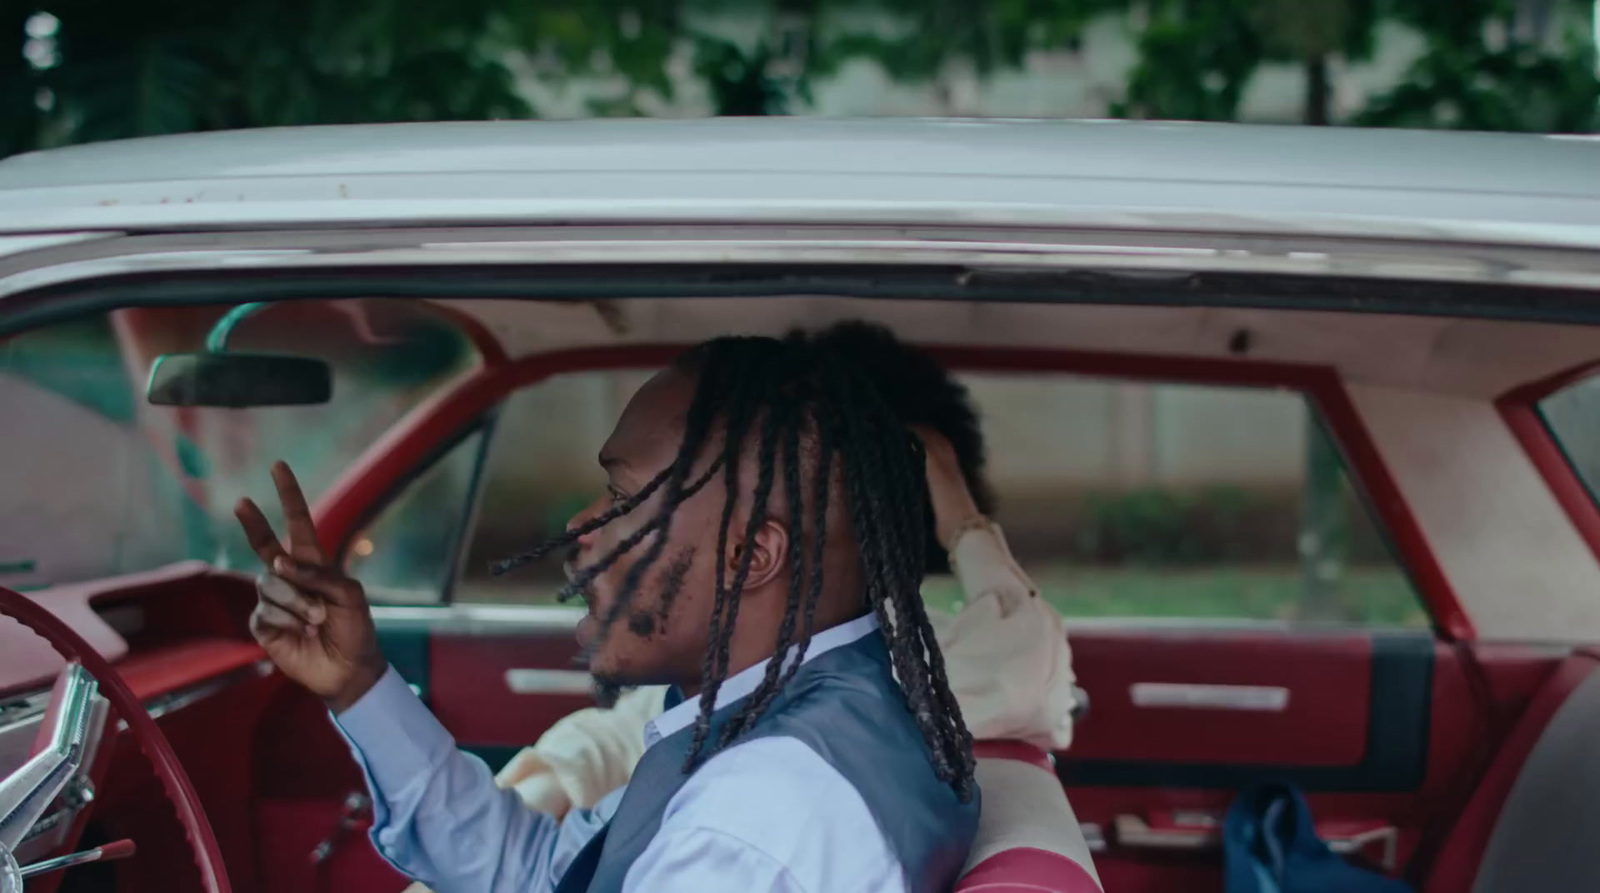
x: 363, y: 677
x: 950, y: 534
x: 953, y: 509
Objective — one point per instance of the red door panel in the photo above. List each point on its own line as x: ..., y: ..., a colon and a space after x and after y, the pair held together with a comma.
x: 1180, y: 720
x: 1385, y: 732
x: 1301, y: 700
x: 471, y: 692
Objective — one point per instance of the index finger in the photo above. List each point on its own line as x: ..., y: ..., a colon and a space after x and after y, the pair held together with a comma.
x: 258, y: 531
x: 303, y: 544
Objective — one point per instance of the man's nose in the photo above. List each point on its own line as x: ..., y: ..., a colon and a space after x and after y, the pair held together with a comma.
x: 585, y: 515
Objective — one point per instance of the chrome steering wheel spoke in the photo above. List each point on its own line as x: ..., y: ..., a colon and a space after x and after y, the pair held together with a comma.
x: 26, y: 793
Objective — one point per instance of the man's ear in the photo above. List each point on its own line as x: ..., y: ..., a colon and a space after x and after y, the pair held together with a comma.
x: 769, y: 555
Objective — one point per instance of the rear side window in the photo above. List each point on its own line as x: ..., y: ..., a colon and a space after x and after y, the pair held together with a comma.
x: 1573, y: 417
x: 1175, y: 501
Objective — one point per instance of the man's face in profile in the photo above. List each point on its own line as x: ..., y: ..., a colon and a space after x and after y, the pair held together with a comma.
x: 660, y: 635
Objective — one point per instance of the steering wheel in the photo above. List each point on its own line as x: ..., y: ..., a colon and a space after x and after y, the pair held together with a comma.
x: 26, y: 792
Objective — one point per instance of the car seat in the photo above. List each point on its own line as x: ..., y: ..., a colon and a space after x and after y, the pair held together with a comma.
x: 1029, y: 840
x: 1534, y: 819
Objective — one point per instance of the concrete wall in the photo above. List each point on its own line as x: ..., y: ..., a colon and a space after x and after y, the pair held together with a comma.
x: 1046, y: 435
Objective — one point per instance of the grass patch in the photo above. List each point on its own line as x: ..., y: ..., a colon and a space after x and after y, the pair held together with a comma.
x: 1368, y: 596
x: 1364, y: 596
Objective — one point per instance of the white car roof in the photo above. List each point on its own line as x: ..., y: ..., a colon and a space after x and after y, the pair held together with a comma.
x: 1092, y: 174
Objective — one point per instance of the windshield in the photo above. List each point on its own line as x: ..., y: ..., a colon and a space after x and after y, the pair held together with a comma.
x: 96, y: 482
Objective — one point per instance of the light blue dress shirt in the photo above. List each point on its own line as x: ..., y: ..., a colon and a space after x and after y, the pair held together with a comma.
x: 764, y: 815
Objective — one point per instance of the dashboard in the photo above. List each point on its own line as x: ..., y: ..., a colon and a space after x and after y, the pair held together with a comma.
x: 179, y: 638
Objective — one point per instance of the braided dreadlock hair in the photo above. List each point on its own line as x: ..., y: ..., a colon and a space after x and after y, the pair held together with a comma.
x: 806, y: 408
x: 921, y: 391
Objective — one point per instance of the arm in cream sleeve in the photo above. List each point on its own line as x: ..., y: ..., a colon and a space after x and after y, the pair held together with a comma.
x: 585, y: 755
x: 1005, y: 652
x: 1006, y: 656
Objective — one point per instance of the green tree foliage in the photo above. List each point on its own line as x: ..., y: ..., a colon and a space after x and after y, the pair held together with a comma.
x: 1196, y: 57
x: 916, y: 39
x: 1483, y: 70
x: 746, y: 82
x: 164, y: 66
x: 167, y: 66
x: 631, y: 41
x: 20, y: 123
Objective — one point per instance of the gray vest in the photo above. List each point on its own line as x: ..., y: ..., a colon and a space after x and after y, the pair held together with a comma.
x: 845, y: 706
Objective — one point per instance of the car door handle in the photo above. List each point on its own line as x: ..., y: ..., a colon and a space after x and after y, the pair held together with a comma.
x: 540, y: 681
x: 1201, y: 696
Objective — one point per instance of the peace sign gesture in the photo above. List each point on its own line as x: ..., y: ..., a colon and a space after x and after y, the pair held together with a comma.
x: 312, y: 620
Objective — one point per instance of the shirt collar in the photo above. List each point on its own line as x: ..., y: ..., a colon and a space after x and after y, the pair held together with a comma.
x: 739, y: 685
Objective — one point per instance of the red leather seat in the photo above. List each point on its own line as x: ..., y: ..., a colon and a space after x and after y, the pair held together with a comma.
x: 1531, y: 821
x: 1028, y: 839
x: 1027, y: 870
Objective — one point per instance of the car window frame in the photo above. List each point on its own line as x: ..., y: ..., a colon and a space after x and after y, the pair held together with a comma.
x: 396, y: 490
x: 1590, y: 487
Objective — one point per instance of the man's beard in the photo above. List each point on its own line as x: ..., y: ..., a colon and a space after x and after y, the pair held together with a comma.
x: 644, y: 623
x: 606, y: 694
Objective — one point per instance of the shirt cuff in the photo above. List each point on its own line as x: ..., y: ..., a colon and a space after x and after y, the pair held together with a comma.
x: 392, y: 733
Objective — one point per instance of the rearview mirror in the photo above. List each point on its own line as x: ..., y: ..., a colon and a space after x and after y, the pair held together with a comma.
x: 238, y: 380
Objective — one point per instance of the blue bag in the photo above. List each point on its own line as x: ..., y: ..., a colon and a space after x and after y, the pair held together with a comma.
x: 1269, y: 845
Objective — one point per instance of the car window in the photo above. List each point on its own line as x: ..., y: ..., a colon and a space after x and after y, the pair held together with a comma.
x: 1137, y: 500
x: 1573, y: 417
x: 97, y: 482
x: 540, y: 471
x: 1120, y: 499
x: 408, y: 554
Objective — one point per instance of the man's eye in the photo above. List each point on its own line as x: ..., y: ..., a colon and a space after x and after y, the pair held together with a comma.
x: 616, y: 495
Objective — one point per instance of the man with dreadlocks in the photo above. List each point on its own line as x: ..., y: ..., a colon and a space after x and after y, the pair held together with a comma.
x: 1006, y: 651
x: 759, y: 548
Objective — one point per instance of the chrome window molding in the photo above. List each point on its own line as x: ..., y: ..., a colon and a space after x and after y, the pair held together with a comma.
x: 1439, y: 260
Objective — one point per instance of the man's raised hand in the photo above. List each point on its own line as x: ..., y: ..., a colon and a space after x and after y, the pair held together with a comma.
x: 312, y: 620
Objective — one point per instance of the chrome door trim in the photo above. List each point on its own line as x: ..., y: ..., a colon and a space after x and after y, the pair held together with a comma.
x: 481, y: 620
x: 173, y: 701
x: 542, y: 681
x: 1198, y: 696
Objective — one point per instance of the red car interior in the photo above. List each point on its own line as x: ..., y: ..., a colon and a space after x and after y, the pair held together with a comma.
x: 141, y: 732
x: 289, y: 812
x: 466, y: 683
x: 1027, y: 870
x: 1409, y: 746
x: 1493, y: 848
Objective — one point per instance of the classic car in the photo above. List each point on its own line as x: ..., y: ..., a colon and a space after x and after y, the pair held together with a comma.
x: 1295, y: 426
